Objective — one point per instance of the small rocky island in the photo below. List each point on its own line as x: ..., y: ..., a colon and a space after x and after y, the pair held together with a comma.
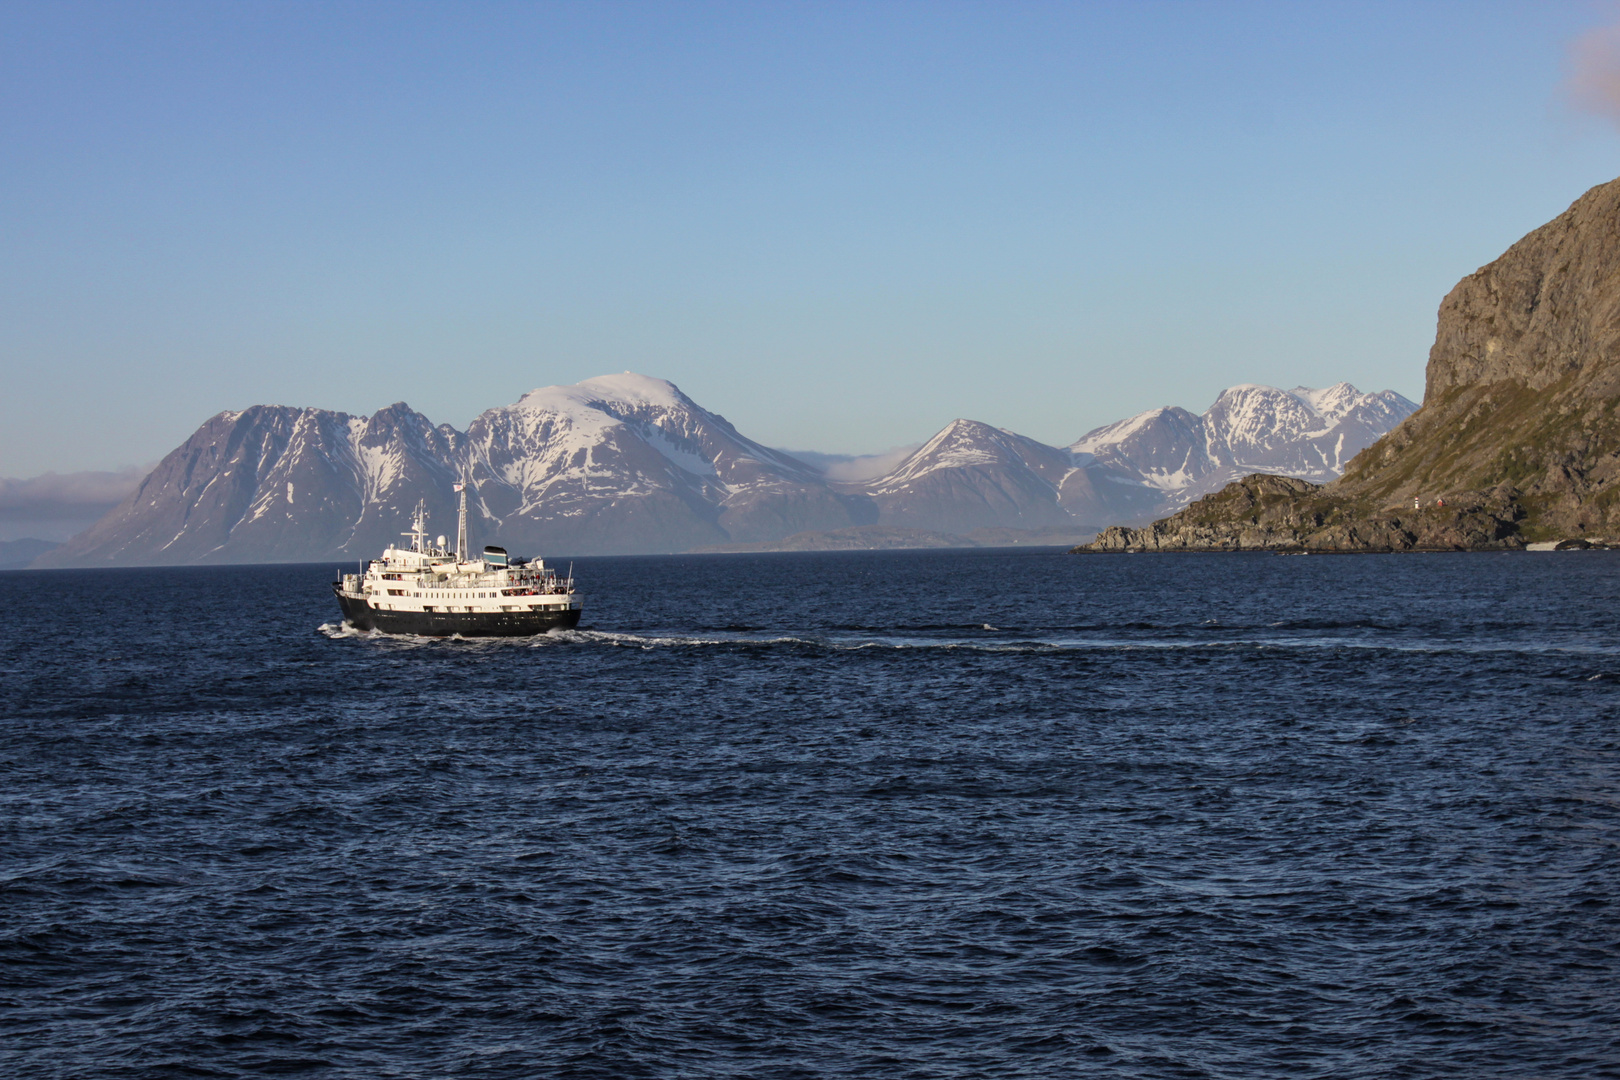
x: 1517, y: 441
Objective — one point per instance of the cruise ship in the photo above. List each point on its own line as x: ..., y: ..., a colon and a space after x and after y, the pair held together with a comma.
x: 432, y: 591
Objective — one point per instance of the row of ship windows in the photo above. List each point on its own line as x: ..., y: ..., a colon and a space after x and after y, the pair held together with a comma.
x: 502, y: 607
x: 445, y: 595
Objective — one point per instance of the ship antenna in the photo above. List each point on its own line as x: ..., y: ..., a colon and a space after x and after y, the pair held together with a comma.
x: 418, y: 531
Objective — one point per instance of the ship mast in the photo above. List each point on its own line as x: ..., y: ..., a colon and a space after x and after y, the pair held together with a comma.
x: 461, y: 525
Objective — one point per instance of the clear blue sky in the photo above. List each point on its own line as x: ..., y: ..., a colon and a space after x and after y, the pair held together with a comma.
x: 841, y: 225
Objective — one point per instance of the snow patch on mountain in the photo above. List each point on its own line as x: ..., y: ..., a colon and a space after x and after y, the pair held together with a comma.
x: 681, y: 456
x: 1117, y: 432
x: 624, y: 389
x: 1332, y: 402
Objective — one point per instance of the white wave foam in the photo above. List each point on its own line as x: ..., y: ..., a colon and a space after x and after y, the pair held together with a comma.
x: 342, y: 631
x: 607, y: 637
x: 1055, y: 643
x: 601, y: 637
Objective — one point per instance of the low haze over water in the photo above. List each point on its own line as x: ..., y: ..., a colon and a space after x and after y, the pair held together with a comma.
x: 872, y: 814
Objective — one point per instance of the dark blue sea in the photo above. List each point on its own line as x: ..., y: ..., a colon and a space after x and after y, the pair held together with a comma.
x: 962, y: 814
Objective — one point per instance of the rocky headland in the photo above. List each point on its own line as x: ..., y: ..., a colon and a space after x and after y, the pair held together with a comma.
x: 1517, y: 441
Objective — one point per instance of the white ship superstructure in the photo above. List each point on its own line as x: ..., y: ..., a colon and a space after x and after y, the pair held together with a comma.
x: 432, y: 590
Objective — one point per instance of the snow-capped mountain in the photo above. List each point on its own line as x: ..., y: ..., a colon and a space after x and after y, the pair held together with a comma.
x: 973, y: 476
x: 272, y: 484
x: 626, y: 464
x: 1306, y: 433
x: 618, y: 464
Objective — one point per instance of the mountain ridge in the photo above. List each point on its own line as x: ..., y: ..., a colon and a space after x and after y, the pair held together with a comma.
x: 619, y: 464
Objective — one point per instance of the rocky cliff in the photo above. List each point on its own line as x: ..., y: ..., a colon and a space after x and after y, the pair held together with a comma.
x: 1517, y: 440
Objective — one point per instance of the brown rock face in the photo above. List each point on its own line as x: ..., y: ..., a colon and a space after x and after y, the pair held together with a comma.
x: 1279, y: 513
x: 1518, y: 432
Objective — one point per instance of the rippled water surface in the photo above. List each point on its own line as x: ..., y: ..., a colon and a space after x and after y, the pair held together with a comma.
x: 966, y: 814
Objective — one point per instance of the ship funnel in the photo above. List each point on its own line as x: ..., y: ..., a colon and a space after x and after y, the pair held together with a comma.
x: 494, y: 557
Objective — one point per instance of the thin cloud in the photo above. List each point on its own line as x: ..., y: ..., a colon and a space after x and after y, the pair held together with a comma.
x: 54, y: 491
x: 1593, y: 84
x: 871, y: 465
x: 56, y: 506
x: 851, y: 467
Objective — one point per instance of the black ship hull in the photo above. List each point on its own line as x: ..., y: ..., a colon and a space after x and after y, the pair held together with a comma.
x: 362, y: 616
